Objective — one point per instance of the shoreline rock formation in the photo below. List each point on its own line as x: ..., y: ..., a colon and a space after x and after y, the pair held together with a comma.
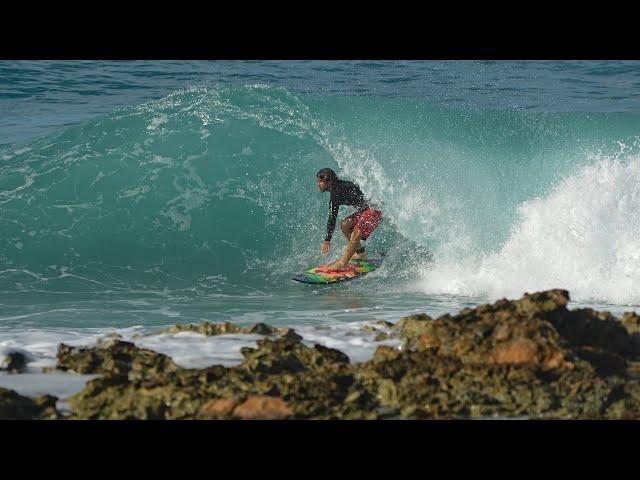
x: 530, y: 358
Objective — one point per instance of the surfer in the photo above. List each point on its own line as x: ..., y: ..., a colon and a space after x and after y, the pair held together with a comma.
x: 356, y: 227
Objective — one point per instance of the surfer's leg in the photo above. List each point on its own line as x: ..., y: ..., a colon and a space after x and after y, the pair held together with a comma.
x: 352, y: 246
x: 347, y: 225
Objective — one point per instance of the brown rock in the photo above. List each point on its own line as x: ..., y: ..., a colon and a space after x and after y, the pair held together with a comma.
x: 263, y: 408
x: 220, y: 407
x: 521, y: 350
x: 427, y: 340
x: 385, y: 353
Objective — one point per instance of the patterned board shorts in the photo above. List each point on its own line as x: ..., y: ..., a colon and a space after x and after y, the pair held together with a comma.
x: 366, y: 221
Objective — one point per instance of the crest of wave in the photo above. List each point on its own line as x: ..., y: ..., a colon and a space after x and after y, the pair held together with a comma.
x: 584, y: 236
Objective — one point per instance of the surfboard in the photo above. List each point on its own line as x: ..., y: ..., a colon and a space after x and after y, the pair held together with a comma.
x: 317, y: 275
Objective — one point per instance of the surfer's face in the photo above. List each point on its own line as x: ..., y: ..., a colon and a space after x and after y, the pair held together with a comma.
x: 323, y: 185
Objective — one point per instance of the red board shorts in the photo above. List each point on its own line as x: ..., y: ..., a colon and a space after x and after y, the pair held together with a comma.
x: 366, y: 221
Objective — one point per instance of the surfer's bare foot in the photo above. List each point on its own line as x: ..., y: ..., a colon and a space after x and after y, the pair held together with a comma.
x: 359, y: 256
x: 337, y: 266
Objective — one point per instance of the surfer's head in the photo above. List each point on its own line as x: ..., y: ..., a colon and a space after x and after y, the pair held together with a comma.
x: 324, y: 179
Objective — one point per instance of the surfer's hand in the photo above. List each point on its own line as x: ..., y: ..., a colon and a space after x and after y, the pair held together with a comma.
x: 325, y: 247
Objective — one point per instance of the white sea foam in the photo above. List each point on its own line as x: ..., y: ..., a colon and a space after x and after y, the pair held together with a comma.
x: 584, y: 236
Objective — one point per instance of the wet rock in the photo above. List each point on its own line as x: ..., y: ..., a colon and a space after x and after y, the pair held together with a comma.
x: 505, y: 332
x: 605, y: 363
x: 213, y: 329
x: 14, y: 362
x: 588, y: 327
x: 413, y: 326
x: 263, y: 408
x: 528, y: 358
x: 260, y: 329
x: 205, y: 328
x: 289, y: 334
x: 384, y: 323
x: 385, y: 353
x: 283, y: 355
x: 631, y: 321
x: 368, y: 329
x: 46, y: 405
x: 624, y: 402
x: 17, y: 407
x: 113, y: 358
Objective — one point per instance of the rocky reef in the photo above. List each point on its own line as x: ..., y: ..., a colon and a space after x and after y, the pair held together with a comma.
x: 529, y: 358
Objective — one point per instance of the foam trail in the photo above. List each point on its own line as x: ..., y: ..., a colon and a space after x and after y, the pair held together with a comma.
x: 584, y: 237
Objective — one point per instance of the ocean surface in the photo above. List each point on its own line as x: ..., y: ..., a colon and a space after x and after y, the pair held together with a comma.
x: 135, y: 195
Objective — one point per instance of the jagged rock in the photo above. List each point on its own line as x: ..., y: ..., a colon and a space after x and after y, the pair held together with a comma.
x: 588, y: 327
x: 283, y: 355
x: 368, y: 329
x: 529, y: 357
x: 15, y: 362
x: 113, y: 358
x: 413, y: 326
x: 17, y: 407
x: 631, y: 321
x: 384, y: 353
x: 505, y: 332
x: 205, y: 328
x: 213, y: 329
x: 384, y: 323
x: 260, y: 329
x: 605, y: 363
x: 289, y: 334
x: 381, y: 336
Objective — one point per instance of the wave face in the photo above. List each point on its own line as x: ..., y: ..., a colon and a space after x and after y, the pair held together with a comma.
x: 213, y: 188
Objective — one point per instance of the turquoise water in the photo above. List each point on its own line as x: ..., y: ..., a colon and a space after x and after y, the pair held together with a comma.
x: 154, y: 193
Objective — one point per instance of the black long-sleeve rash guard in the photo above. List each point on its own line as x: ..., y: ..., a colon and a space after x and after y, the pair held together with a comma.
x: 343, y: 193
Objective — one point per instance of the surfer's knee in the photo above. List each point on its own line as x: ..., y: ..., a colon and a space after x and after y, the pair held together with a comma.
x: 346, y: 226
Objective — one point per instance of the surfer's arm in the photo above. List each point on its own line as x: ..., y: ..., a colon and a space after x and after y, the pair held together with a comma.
x: 331, y: 223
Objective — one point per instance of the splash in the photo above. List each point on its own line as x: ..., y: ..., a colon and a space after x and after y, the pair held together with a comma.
x: 583, y: 236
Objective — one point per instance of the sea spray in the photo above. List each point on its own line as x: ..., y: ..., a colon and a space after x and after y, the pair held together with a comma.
x: 583, y: 236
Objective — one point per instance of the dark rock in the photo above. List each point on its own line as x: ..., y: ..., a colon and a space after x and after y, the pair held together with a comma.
x: 588, y: 327
x: 260, y: 329
x: 17, y: 407
x: 213, y: 329
x: 289, y: 334
x: 114, y: 358
x: 15, y: 362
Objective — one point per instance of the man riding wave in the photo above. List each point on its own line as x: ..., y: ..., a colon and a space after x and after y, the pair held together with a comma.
x: 356, y: 227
